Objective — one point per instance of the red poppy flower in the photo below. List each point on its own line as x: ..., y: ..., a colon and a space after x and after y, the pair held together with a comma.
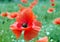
x: 56, y: 21
x: 53, y: 4
x: 26, y: 22
x: 50, y: 10
x: 4, y: 14
x: 12, y: 15
x: 24, y: 1
x: 52, y: 0
x: 44, y: 39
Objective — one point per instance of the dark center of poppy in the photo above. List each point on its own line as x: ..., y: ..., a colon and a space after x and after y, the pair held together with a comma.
x: 24, y: 25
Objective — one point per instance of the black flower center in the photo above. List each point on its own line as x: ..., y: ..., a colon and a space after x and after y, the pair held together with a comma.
x: 24, y: 25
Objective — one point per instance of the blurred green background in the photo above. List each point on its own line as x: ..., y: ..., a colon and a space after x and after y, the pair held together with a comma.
x: 48, y: 28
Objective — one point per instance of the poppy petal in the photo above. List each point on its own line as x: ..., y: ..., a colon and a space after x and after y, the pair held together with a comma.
x: 17, y: 33
x: 36, y: 28
x: 16, y: 29
x: 30, y: 34
x: 22, y: 18
x: 37, y: 23
x: 44, y: 39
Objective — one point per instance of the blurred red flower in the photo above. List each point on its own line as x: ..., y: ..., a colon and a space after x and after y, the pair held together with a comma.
x: 50, y: 10
x: 52, y: 0
x: 4, y: 14
x: 12, y: 15
x: 26, y: 21
x: 44, y: 39
x: 53, y: 4
x: 56, y: 21
x: 24, y: 1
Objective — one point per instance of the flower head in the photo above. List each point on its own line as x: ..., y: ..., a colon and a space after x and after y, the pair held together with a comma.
x: 56, y: 21
x: 53, y: 4
x: 12, y: 15
x: 26, y: 21
x: 52, y: 0
x: 4, y: 14
x: 43, y: 6
x: 50, y: 10
x: 24, y: 1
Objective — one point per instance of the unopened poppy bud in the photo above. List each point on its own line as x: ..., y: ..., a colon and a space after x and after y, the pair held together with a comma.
x: 4, y: 14
x: 12, y: 15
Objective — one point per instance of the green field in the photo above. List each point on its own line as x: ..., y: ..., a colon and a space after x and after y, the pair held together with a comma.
x: 48, y: 28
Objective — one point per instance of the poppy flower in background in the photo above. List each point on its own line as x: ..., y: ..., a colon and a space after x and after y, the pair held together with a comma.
x: 52, y: 0
x: 12, y: 15
x: 24, y: 1
x: 53, y: 4
x: 4, y: 14
x: 26, y: 21
x: 44, y: 39
x: 50, y: 10
x: 56, y: 21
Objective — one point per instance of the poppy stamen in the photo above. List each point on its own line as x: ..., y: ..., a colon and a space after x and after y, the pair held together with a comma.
x: 24, y: 25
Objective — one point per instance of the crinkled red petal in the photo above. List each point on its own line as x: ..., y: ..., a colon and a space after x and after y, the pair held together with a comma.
x: 26, y: 16
x: 30, y: 34
x: 16, y: 29
x: 17, y: 33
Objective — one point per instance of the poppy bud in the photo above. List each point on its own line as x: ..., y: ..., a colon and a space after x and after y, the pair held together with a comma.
x: 4, y: 14
x: 12, y: 15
